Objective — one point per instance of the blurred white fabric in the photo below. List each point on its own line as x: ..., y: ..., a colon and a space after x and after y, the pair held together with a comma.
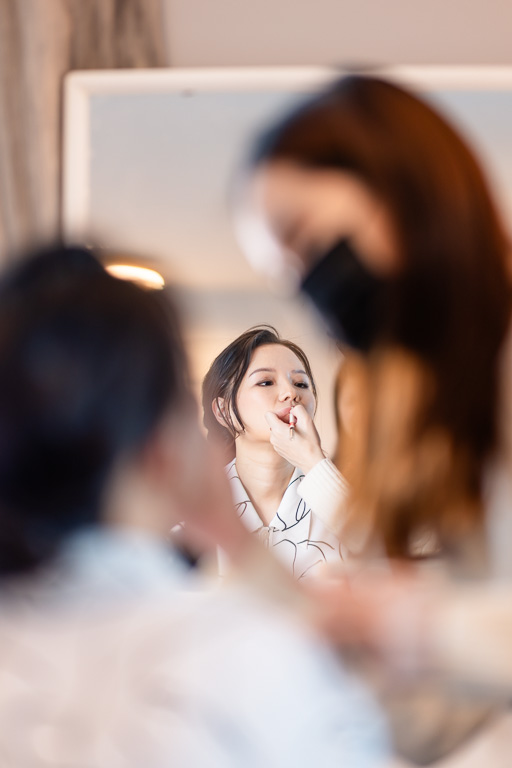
x: 297, y: 535
x: 110, y: 659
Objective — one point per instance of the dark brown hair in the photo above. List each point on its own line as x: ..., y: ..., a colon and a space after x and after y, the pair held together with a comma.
x: 225, y: 376
x: 452, y: 300
x: 89, y: 366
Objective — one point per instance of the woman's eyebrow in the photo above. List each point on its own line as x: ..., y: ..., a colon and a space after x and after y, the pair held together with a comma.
x: 273, y: 370
x: 258, y: 370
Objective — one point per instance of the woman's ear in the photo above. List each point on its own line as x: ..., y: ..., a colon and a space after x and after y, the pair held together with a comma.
x: 219, y: 411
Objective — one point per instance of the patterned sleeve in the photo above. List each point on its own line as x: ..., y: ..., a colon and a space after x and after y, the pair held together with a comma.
x: 325, y: 490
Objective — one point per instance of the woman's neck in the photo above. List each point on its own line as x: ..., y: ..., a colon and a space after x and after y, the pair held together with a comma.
x: 265, y: 476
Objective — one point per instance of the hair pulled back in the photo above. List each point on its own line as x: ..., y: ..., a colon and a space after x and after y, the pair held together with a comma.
x: 225, y: 376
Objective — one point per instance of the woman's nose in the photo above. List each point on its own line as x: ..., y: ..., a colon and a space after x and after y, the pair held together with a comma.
x: 288, y: 393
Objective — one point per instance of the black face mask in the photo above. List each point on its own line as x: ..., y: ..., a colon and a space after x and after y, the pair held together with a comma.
x: 348, y: 296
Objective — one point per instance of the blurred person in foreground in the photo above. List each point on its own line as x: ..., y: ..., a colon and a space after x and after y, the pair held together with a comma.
x: 372, y: 204
x: 112, y: 653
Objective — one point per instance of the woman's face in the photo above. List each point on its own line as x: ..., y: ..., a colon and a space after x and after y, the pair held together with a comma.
x: 292, y: 214
x: 274, y: 381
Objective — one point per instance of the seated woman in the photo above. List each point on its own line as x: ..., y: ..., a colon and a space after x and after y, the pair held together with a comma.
x: 259, y: 399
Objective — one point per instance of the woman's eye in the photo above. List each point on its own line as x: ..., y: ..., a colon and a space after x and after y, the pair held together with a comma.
x: 302, y: 384
x: 265, y: 383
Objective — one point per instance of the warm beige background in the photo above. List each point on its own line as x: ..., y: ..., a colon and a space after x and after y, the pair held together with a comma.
x: 311, y: 32
x: 41, y: 40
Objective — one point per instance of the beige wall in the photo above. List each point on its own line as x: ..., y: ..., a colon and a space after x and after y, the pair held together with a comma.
x: 290, y: 32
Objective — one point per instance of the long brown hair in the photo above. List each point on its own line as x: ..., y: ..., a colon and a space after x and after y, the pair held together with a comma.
x: 451, y: 303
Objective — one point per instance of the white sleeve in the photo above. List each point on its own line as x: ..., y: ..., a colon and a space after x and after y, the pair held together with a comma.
x: 325, y: 490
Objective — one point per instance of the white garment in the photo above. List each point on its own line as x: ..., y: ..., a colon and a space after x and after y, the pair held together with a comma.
x: 106, y: 661
x: 325, y: 490
x: 300, y: 538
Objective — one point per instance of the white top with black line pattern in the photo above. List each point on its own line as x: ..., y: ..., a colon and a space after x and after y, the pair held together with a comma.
x: 300, y: 532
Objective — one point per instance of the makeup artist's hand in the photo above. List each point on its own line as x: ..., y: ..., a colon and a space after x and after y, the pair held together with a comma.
x: 301, y: 447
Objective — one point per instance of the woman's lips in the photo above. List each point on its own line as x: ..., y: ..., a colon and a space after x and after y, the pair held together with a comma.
x: 284, y: 414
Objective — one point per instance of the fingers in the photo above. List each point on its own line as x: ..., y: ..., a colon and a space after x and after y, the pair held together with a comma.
x: 279, y: 435
x: 302, y: 447
x: 301, y: 415
x: 277, y: 426
x: 306, y: 425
